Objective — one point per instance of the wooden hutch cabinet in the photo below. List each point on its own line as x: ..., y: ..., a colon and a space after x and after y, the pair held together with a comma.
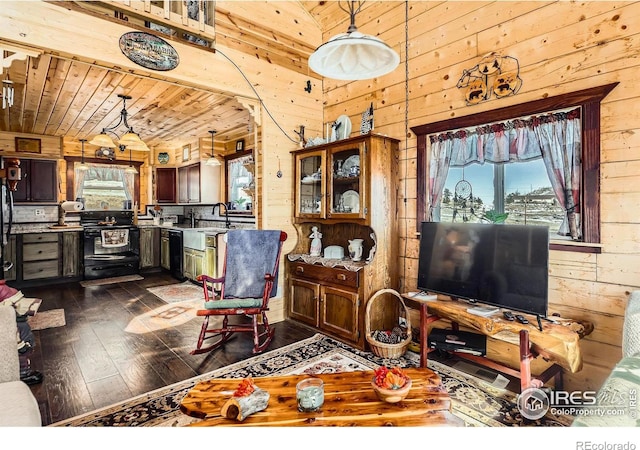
x: 347, y: 189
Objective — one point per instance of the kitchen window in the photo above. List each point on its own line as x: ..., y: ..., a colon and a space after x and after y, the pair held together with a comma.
x: 102, y: 186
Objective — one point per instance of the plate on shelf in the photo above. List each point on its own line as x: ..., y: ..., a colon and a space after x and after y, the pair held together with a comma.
x: 310, y: 180
x: 351, y: 199
x: 344, y: 129
x: 350, y: 162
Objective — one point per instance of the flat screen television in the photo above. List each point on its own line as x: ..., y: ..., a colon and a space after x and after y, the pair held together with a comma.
x: 501, y: 265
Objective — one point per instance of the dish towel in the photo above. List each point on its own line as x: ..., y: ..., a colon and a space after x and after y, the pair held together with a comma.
x: 115, y: 238
x: 250, y: 255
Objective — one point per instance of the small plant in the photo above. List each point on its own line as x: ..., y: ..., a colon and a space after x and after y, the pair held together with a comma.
x: 495, y: 217
x: 394, y: 378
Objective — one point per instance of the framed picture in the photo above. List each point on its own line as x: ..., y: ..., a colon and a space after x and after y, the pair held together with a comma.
x: 240, y: 145
x: 28, y: 145
x: 186, y: 152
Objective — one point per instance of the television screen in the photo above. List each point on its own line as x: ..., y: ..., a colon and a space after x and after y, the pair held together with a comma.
x: 501, y: 265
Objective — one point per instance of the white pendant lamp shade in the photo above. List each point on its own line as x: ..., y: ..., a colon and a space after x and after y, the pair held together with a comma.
x: 212, y: 161
x: 102, y: 140
x: 140, y: 146
x: 353, y: 56
x: 129, y: 138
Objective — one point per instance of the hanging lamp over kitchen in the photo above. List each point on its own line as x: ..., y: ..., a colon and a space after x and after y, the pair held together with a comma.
x: 212, y: 161
x: 82, y: 165
x: 353, y: 55
x: 130, y: 138
x: 130, y: 169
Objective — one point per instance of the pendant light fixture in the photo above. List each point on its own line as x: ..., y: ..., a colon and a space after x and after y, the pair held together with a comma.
x: 212, y: 161
x: 353, y: 55
x: 130, y: 138
x: 82, y: 165
x: 129, y: 169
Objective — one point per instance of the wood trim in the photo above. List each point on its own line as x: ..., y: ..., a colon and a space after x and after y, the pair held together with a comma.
x: 588, y: 99
x: 70, y: 174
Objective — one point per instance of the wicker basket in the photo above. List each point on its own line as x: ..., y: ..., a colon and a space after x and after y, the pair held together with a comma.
x: 380, y: 348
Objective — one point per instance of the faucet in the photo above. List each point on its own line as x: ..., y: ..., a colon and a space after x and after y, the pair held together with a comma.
x: 227, y: 224
x: 192, y: 216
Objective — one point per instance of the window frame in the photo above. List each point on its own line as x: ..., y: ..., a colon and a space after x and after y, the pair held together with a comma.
x: 70, y: 160
x: 589, y: 100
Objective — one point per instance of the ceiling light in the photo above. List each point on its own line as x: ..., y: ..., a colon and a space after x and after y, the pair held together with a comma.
x: 82, y: 165
x: 130, y: 169
x: 130, y: 138
x: 353, y: 55
x: 212, y: 161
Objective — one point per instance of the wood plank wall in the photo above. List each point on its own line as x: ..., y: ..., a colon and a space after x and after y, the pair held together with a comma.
x: 561, y: 47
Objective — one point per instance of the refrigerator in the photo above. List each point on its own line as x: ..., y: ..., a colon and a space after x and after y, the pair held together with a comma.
x: 6, y: 220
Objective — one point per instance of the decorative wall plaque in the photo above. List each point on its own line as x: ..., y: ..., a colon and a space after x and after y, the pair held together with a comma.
x: 149, y: 51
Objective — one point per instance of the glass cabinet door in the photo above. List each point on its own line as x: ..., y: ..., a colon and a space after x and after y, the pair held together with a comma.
x: 346, y: 185
x: 310, y: 178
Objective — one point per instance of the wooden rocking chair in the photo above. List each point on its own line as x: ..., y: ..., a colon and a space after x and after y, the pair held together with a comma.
x: 249, y: 279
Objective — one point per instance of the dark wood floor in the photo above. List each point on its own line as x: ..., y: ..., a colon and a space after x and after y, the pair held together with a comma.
x: 93, y: 362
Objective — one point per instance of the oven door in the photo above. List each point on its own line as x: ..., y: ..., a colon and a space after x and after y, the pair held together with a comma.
x: 104, y: 258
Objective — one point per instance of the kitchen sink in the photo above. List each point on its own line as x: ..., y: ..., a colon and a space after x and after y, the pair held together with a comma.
x: 195, y: 238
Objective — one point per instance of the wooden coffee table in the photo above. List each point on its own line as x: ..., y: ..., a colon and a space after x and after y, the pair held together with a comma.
x: 348, y: 400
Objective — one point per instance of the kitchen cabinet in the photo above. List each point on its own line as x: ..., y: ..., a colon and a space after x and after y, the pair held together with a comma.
x: 165, y: 255
x: 39, y: 182
x: 40, y: 256
x: 149, y: 247
x: 166, y: 185
x: 71, y: 254
x: 347, y: 190
x: 194, y: 263
x: 189, y: 184
x: 199, y: 183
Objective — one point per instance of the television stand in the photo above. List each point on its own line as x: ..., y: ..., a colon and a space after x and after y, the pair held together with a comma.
x: 557, y: 342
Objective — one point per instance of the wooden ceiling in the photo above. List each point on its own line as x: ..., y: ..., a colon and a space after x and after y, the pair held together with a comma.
x: 71, y: 99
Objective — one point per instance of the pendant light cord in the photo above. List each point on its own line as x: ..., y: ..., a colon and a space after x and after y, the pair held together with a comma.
x: 258, y: 96
x: 406, y: 141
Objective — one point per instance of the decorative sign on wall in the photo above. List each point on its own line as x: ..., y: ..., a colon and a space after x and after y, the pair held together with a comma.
x: 495, y: 74
x: 149, y: 51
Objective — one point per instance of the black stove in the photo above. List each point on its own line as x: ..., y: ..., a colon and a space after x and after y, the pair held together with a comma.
x: 111, y: 244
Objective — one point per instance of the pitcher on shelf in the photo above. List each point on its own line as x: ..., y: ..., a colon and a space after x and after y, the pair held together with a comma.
x: 355, y: 249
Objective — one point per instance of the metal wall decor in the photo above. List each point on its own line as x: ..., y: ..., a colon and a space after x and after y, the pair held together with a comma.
x: 494, y: 74
x: 149, y: 51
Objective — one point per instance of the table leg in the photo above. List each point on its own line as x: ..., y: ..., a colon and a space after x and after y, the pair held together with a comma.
x: 423, y: 335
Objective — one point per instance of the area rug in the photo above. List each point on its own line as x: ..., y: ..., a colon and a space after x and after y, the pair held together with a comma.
x: 476, y: 402
x: 113, y: 280
x: 47, y: 319
x: 166, y: 316
x: 181, y: 292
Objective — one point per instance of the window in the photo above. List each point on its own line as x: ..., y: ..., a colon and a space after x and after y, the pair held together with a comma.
x: 589, y: 102
x: 102, y: 186
x: 521, y: 191
x: 240, y: 182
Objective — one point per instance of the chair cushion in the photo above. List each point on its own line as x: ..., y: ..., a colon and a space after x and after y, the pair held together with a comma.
x: 234, y: 303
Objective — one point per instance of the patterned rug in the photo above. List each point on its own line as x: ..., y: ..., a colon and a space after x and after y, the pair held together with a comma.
x: 476, y: 402
x: 113, y: 280
x: 47, y: 319
x: 182, y: 292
